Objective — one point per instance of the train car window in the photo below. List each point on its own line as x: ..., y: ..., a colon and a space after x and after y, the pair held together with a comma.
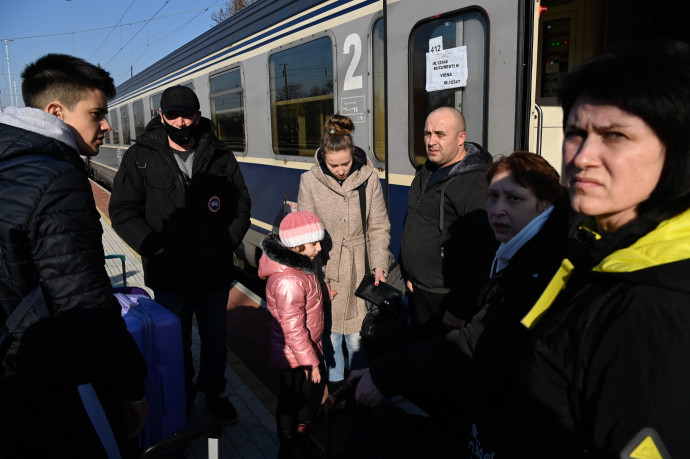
x: 301, y: 86
x: 155, y: 103
x: 139, y: 122
x: 155, y: 99
x: 227, y: 109
x: 124, y: 116
x: 114, y: 123
x: 446, y: 34
x: 377, y: 85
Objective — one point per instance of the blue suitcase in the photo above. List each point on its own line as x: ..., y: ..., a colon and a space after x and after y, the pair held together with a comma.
x: 158, y: 334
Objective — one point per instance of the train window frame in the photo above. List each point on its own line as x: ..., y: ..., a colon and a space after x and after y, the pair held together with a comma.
x: 155, y: 103
x: 114, y: 121
x: 138, y: 117
x: 154, y: 107
x: 304, y: 153
x: 243, y: 99
x: 378, y: 110
x: 417, y: 152
x: 125, y: 125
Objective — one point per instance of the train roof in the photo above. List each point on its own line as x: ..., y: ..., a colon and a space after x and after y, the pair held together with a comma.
x: 253, y: 19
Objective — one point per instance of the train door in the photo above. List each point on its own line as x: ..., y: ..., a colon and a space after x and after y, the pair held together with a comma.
x: 454, y: 53
x: 571, y: 31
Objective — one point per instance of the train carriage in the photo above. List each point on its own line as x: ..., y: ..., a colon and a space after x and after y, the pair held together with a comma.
x: 270, y: 76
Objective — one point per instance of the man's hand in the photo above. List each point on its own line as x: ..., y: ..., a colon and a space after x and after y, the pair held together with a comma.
x: 367, y: 393
x: 409, y: 286
x: 452, y: 322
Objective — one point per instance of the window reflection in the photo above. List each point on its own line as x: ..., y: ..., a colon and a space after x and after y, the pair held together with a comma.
x: 378, y: 87
x: 139, y: 122
x: 227, y: 109
x: 468, y: 29
x: 301, y: 86
x: 124, y: 116
x: 115, y: 124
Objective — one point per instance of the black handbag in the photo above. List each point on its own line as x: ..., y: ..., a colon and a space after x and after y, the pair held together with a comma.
x: 384, y: 327
x: 382, y: 295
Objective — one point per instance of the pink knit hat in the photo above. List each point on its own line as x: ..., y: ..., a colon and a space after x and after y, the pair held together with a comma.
x: 299, y: 228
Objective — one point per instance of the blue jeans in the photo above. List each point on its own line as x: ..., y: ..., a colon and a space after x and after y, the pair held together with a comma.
x: 210, y: 309
x: 335, y: 359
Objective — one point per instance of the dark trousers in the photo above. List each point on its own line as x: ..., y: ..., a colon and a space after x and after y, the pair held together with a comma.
x: 298, y: 400
x: 42, y: 419
x: 210, y: 309
x: 426, y: 314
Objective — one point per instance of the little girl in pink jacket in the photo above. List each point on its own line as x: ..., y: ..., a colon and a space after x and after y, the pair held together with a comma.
x: 295, y: 300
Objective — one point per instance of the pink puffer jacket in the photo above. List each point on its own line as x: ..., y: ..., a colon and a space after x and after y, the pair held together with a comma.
x: 293, y: 296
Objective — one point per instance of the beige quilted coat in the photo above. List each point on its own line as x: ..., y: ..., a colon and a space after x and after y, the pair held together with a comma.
x: 338, y: 208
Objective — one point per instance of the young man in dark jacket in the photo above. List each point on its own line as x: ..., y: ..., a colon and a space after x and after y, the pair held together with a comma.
x: 50, y: 234
x: 447, y: 244
x: 180, y: 201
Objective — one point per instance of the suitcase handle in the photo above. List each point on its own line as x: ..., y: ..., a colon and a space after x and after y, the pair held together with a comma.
x: 184, y: 436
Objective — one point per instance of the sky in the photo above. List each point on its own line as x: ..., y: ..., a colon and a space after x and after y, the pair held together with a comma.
x: 123, y: 36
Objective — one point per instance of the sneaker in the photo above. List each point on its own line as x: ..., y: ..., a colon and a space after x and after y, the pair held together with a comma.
x: 222, y: 408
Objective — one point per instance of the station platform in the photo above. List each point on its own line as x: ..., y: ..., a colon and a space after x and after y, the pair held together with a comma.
x: 253, y: 383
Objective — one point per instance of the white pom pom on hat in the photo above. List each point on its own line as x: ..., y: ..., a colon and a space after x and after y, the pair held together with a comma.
x: 300, y: 227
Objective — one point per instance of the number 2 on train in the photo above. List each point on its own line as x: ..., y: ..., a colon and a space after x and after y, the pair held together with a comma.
x: 352, y: 81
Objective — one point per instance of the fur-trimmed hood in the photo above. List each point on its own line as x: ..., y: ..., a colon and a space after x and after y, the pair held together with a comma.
x: 280, y: 257
x: 295, y: 301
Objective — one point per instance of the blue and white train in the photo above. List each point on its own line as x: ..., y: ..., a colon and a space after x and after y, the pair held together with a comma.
x: 270, y: 76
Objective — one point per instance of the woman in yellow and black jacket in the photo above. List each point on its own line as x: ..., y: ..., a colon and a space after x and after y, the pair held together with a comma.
x: 607, y: 371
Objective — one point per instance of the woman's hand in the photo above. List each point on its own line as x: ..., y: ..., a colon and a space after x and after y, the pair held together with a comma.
x: 367, y: 393
x: 313, y: 375
x: 379, y: 276
x: 331, y: 293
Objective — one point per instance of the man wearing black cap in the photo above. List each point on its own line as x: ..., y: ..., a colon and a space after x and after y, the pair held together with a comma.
x: 180, y: 201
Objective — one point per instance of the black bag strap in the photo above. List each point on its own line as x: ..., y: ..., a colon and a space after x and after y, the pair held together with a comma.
x: 36, y: 299
x: 362, y: 189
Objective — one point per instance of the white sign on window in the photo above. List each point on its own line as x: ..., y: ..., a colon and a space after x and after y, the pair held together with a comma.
x: 446, y: 69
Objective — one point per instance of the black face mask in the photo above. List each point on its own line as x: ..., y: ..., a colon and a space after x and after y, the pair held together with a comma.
x: 180, y: 136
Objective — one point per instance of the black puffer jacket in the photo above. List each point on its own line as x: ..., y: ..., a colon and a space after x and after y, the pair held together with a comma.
x: 199, y: 225
x: 447, y: 244
x: 50, y: 230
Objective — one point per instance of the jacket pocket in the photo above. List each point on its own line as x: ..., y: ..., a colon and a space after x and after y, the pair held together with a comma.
x: 159, y: 181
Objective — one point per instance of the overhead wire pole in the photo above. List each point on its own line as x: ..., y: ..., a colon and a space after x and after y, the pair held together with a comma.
x: 13, y: 93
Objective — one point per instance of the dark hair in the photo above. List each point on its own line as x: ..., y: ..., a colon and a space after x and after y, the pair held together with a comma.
x: 337, y: 134
x: 63, y: 78
x: 530, y: 171
x: 651, y: 81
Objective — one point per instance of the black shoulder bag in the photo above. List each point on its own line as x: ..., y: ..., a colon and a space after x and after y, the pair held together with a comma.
x: 384, y: 327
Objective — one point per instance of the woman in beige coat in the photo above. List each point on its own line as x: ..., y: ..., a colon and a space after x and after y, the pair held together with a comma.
x: 330, y: 190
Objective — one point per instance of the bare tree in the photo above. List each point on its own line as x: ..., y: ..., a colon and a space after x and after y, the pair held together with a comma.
x: 230, y: 8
